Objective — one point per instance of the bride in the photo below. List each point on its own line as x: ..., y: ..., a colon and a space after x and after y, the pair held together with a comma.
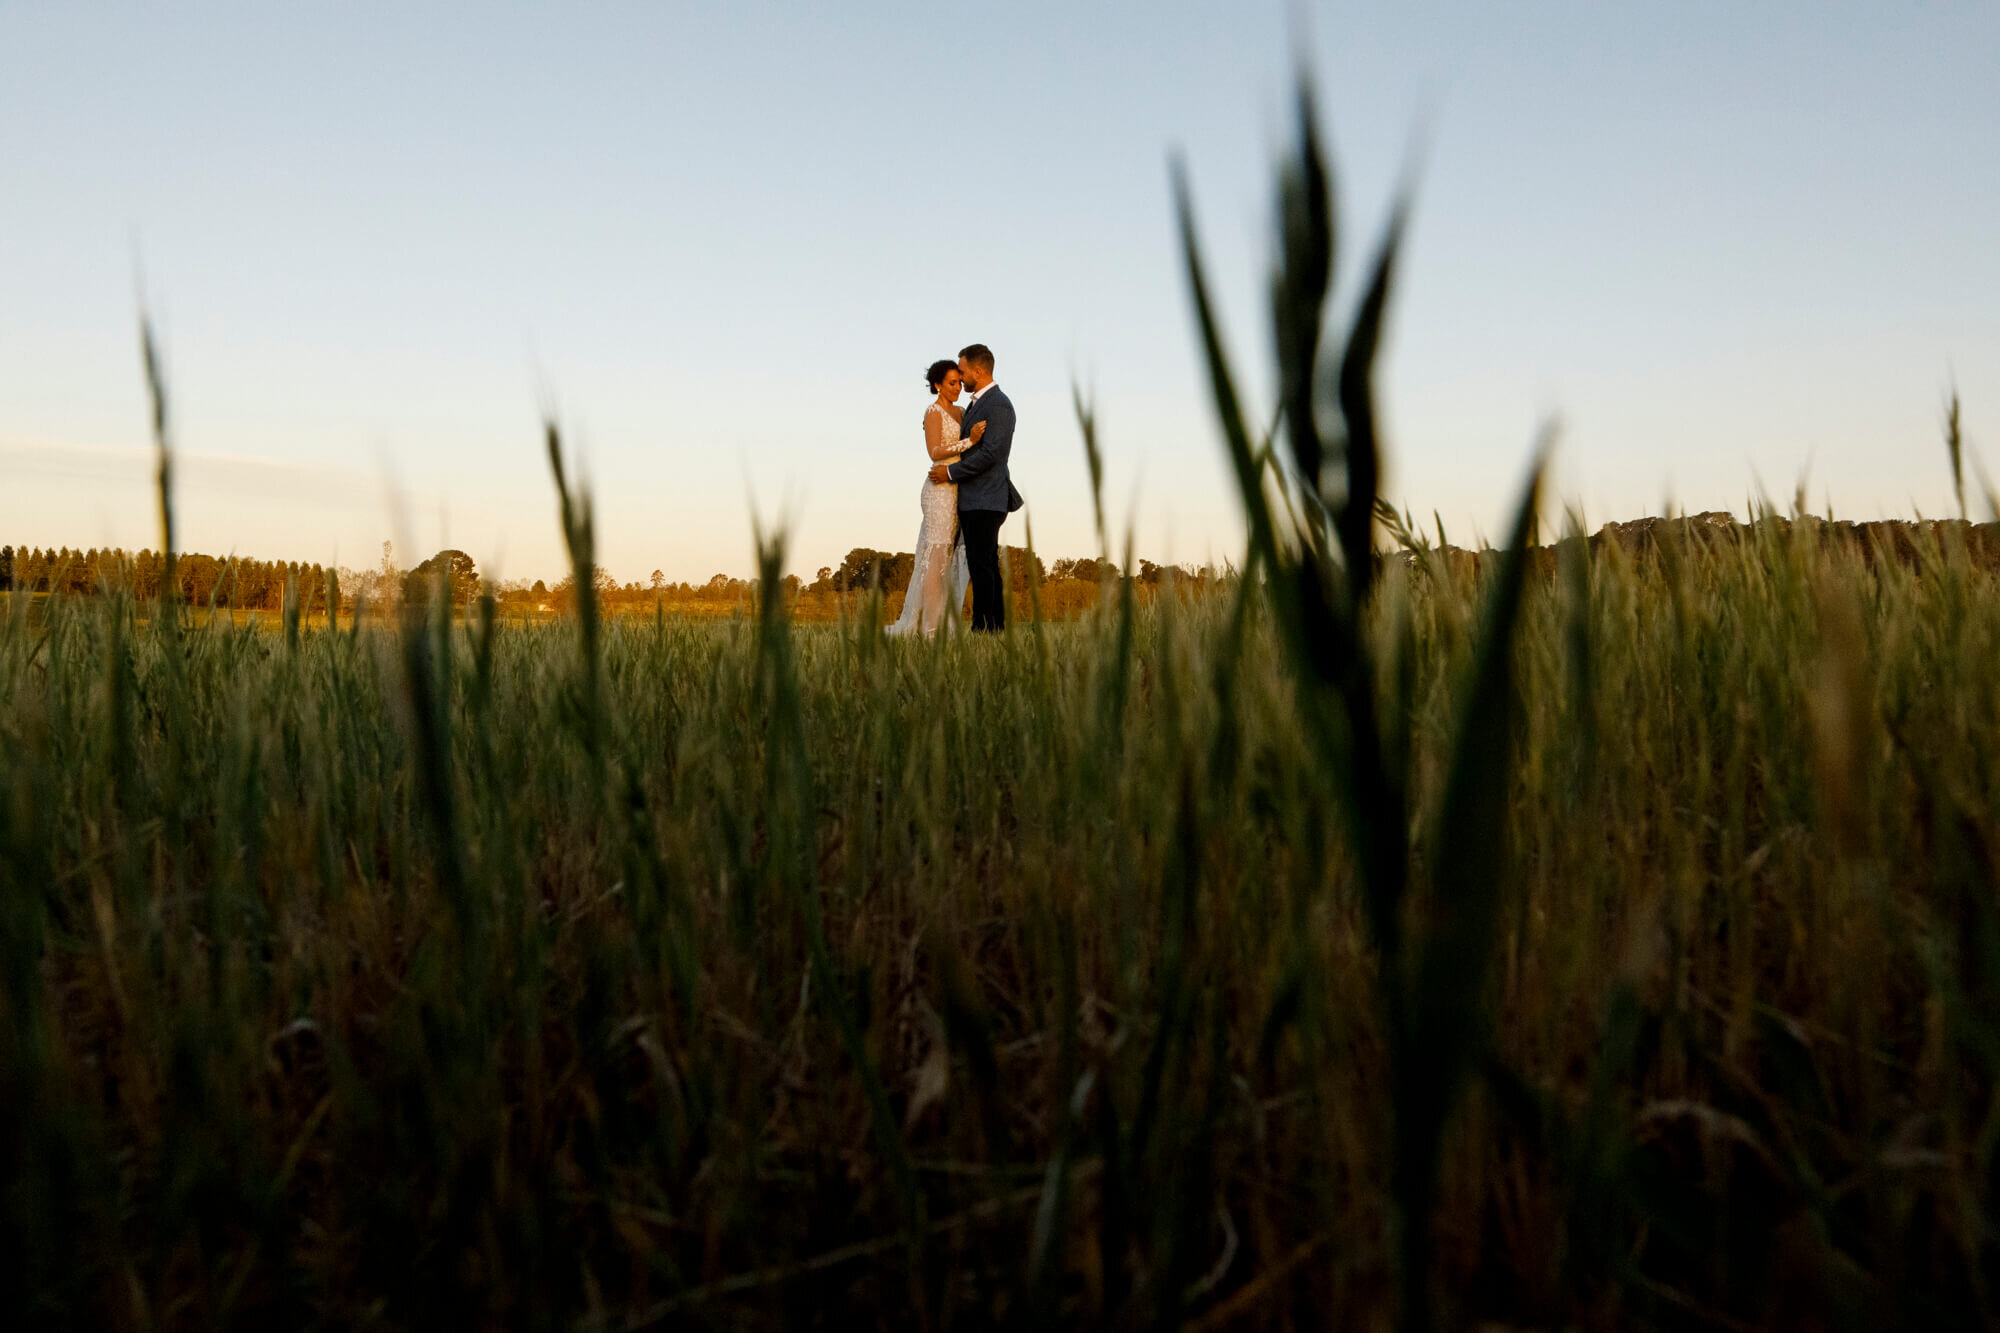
x: 937, y: 584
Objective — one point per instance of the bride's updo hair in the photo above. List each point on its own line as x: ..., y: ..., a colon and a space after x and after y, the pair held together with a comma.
x: 935, y: 375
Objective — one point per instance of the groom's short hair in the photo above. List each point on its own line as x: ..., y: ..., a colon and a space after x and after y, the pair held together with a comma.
x: 979, y: 354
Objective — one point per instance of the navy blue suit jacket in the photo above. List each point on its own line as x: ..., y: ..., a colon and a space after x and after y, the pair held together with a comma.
x: 981, y: 471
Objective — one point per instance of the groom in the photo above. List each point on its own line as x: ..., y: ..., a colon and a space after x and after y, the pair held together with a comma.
x: 985, y: 495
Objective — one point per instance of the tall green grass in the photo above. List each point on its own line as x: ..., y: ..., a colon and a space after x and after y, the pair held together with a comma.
x: 367, y: 974
x: 1377, y: 942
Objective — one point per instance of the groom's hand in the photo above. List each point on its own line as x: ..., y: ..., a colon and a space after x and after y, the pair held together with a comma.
x: 941, y: 472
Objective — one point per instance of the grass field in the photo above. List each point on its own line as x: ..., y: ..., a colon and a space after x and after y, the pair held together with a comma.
x: 749, y: 975
x: 1600, y: 940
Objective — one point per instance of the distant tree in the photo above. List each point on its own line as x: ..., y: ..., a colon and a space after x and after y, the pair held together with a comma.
x: 540, y: 590
x: 1089, y: 569
x: 388, y: 579
x: 855, y: 570
x: 6, y: 569
x: 825, y: 573
x: 863, y: 568
x: 356, y: 585
x: 564, y: 593
x: 254, y: 584
x: 199, y: 577
x: 659, y: 583
x: 146, y: 576
x: 458, y: 569
x: 1019, y: 561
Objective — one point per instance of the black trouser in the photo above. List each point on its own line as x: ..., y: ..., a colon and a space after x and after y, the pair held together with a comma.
x: 979, y: 529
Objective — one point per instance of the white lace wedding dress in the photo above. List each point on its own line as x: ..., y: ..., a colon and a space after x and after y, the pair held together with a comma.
x: 938, y: 583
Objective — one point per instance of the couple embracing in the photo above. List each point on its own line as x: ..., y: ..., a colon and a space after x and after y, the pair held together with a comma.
x: 966, y: 497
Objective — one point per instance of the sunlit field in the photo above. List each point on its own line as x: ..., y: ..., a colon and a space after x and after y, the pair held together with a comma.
x: 1598, y: 935
x: 753, y: 975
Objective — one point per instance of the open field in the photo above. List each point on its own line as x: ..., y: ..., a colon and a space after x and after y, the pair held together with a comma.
x: 1599, y: 935
x: 743, y: 975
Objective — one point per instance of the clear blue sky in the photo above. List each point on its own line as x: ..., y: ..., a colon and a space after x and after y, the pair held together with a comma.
x: 1724, y: 243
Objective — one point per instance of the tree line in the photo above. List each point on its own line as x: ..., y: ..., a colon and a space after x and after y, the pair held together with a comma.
x: 240, y: 583
x: 863, y: 568
x: 224, y: 580
x: 248, y: 584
